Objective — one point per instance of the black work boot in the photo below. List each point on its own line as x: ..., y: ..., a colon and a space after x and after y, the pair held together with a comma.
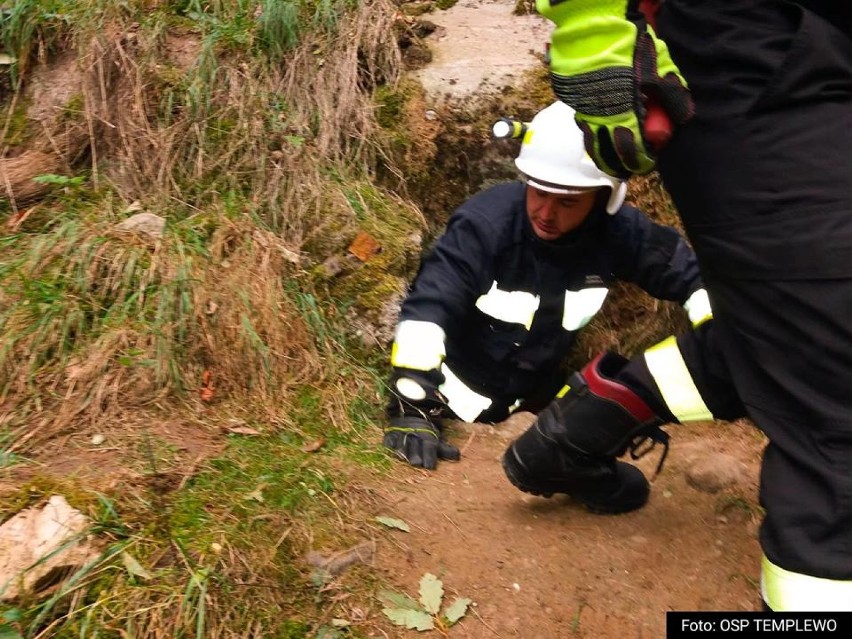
x: 573, y: 445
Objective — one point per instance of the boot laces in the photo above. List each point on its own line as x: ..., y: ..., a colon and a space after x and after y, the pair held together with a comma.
x: 643, y: 443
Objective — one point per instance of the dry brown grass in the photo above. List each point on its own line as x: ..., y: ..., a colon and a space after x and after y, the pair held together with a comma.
x: 631, y: 320
x: 240, y: 153
x: 114, y: 325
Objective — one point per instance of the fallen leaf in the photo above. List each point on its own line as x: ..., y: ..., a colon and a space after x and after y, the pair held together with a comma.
x: 364, y: 246
x: 431, y: 593
x: 257, y: 493
x: 314, y: 446
x: 393, y: 599
x: 412, y: 619
x: 391, y: 522
x: 243, y: 430
x: 6, y: 59
x: 326, y: 632
x: 133, y: 567
x: 207, y: 391
x: 19, y: 218
x: 456, y: 610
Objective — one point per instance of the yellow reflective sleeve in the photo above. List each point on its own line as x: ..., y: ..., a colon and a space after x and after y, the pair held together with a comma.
x: 698, y: 307
x: 418, y: 345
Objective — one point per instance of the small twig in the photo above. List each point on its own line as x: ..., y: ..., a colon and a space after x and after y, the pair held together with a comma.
x: 15, y: 221
x: 475, y: 612
x: 282, y: 538
x: 447, y: 517
x: 468, y: 443
x: 190, y: 471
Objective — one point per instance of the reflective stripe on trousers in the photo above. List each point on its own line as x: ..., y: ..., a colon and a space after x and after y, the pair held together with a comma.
x: 672, y: 377
x: 786, y: 591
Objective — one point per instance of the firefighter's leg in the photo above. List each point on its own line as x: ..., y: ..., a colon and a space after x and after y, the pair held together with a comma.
x: 612, y: 405
x: 791, y: 358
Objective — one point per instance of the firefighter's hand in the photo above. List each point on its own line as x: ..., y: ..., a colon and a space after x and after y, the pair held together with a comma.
x: 609, y: 66
x: 418, y: 441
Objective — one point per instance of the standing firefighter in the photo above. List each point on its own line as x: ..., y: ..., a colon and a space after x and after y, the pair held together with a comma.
x: 498, y: 302
x: 760, y: 169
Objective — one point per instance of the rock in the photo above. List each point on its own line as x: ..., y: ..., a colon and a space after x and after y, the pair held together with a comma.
x: 422, y: 28
x: 415, y: 9
x: 337, y: 563
x: 715, y: 471
x: 36, y: 548
x: 144, y: 223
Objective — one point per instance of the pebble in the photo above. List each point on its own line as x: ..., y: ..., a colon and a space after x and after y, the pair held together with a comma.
x: 713, y: 472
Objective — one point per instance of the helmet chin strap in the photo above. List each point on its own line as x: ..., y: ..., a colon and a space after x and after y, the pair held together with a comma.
x: 616, y: 198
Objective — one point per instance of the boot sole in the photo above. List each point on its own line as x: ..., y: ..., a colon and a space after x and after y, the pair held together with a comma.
x: 512, y: 465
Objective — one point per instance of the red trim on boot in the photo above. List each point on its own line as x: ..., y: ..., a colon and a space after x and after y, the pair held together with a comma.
x: 612, y: 390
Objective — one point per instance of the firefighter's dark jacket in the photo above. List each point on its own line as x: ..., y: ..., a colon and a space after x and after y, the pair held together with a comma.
x: 489, y: 248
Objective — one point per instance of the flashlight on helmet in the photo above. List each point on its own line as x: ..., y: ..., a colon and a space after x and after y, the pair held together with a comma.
x: 508, y: 128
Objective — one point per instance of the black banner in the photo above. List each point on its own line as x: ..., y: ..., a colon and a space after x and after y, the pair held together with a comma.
x: 758, y: 624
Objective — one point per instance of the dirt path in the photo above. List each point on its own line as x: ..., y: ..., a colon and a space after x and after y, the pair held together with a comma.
x: 545, y: 568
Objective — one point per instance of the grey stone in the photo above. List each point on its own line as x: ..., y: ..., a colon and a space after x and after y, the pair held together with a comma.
x: 713, y: 472
x: 144, y: 223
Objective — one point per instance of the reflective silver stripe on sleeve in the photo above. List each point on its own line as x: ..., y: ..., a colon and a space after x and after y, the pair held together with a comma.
x: 786, y: 591
x: 516, y: 307
x: 581, y: 306
x: 698, y: 307
x: 462, y: 400
x: 675, y: 383
x: 418, y: 345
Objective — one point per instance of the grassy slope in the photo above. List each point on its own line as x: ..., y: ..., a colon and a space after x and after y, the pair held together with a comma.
x: 258, y: 148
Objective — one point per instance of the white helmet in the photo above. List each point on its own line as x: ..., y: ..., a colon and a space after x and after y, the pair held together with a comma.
x: 553, y: 157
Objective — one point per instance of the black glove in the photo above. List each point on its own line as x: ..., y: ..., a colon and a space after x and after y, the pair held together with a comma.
x: 418, y: 441
x: 415, y: 393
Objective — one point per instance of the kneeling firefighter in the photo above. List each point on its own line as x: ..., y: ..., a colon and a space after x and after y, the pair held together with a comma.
x: 498, y: 302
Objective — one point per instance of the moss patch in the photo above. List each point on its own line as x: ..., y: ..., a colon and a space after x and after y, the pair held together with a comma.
x: 17, y: 132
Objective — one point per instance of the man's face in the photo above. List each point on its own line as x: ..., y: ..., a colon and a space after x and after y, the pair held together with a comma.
x: 552, y: 215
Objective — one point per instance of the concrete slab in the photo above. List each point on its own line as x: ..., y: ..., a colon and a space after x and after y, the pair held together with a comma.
x: 480, y: 47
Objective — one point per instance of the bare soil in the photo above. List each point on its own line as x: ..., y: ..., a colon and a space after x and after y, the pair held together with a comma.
x: 546, y: 568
